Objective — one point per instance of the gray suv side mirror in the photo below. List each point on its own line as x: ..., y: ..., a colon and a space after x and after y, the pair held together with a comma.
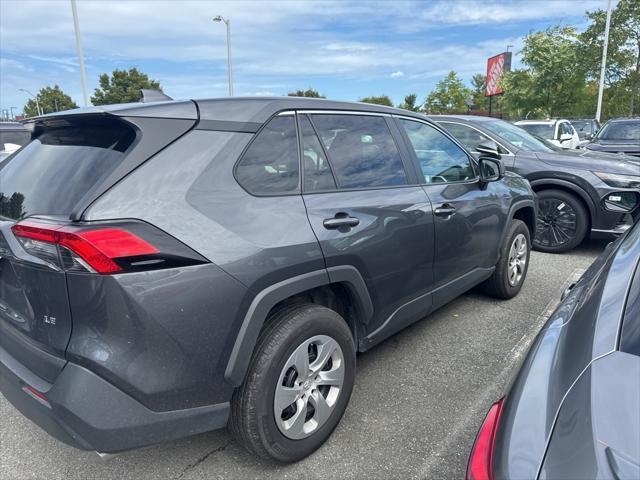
x: 491, y: 169
x: 488, y: 149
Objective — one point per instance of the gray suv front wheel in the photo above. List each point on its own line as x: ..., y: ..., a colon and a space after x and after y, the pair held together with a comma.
x: 511, y: 269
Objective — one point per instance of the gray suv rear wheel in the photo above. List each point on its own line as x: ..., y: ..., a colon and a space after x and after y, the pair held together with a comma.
x: 298, y: 385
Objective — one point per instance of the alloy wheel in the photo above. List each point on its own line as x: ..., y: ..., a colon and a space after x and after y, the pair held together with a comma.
x: 557, y: 223
x: 308, y: 388
x: 518, y: 256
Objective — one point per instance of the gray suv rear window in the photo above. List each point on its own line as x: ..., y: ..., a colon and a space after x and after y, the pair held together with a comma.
x: 270, y: 165
x: 61, y: 164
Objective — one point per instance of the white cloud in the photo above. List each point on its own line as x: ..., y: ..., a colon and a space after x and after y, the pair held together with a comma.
x: 287, y: 43
x: 263, y: 93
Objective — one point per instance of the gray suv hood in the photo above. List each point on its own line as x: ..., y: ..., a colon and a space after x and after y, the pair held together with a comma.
x: 624, y: 146
x: 587, y: 160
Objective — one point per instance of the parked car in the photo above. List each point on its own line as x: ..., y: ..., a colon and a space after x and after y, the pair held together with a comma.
x: 13, y: 135
x: 573, y: 410
x: 619, y: 135
x: 578, y: 191
x: 222, y: 261
x: 586, y: 128
x: 558, y: 132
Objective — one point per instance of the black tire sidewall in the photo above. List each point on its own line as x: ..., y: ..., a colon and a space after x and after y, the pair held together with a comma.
x: 310, y: 321
x: 582, y: 221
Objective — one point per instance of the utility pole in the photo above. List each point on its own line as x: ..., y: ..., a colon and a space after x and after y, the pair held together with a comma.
x: 603, y: 67
x: 83, y: 76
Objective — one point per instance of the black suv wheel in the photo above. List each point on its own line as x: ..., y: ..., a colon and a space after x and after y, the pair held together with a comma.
x: 562, y: 222
x: 298, y: 384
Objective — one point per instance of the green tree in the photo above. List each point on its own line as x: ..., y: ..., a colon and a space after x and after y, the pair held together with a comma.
x: 622, y: 75
x: 122, y: 87
x: 520, y: 98
x: 50, y: 99
x: 552, y: 84
x: 450, y: 95
x: 309, y: 92
x: 410, y: 103
x: 479, y: 86
x: 378, y: 100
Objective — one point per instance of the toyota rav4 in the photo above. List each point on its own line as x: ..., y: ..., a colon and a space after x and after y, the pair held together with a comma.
x: 176, y: 267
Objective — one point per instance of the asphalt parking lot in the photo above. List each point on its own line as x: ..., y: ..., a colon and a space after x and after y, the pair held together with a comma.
x: 417, y: 404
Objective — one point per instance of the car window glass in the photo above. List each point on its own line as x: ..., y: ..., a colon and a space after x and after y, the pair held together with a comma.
x: 543, y: 130
x: 516, y: 135
x: 53, y: 172
x: 468, y: 136
x: 270, y: 164
x: 441, y: 160
x: 317, y: 172
x: 582, y: 127
x: 361, y: 150
x: 630, y: 337
x: 620, y: 131
x: 12, y: 140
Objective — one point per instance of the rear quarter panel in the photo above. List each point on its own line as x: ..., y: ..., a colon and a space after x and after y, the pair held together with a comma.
x: 189, y: 191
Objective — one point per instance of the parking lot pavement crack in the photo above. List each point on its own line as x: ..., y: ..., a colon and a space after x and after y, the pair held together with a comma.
x: 193, y: 465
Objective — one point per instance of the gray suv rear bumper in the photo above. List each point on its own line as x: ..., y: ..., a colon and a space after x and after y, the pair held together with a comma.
x: 87, y: 412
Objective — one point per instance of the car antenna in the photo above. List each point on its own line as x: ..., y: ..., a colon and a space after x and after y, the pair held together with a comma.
x: 150, y: 95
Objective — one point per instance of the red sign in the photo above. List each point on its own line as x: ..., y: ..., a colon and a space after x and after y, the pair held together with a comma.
x: 496, y: 66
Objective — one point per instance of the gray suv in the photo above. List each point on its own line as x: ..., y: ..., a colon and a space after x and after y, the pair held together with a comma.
x: 173, y: 268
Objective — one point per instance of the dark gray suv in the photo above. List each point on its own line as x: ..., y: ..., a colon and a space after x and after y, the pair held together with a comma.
x: 579, y: 192
x: 172, y: 268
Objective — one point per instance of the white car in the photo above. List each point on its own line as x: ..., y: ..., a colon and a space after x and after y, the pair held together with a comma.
x: 558, y: 132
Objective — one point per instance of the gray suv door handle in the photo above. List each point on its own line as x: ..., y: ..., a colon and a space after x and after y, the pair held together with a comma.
x: 340, y: 220
x: 445, y: 210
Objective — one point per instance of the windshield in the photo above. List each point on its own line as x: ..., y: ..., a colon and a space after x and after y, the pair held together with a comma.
x: 543, y: 130
x: 515, y: 135
x: 620, y: 131
x: 54, y: 171
x: 549, y: 144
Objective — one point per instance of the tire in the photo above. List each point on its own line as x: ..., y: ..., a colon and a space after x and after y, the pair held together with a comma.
x: 562, y: 222
x: 292, y: 334
x: 504, y: 283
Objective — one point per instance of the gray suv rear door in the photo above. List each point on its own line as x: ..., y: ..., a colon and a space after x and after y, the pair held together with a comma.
x: 365, y: 212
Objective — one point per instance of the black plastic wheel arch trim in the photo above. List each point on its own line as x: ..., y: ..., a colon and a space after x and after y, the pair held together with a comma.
x: 264, y: 301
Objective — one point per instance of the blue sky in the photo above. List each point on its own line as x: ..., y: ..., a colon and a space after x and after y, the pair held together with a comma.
x: 346, y: 50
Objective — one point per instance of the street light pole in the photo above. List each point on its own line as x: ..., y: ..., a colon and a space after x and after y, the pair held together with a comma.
x: 227, y: 23
x: 603, y: 67
x: 35, y: 97
x: 83, y: 76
